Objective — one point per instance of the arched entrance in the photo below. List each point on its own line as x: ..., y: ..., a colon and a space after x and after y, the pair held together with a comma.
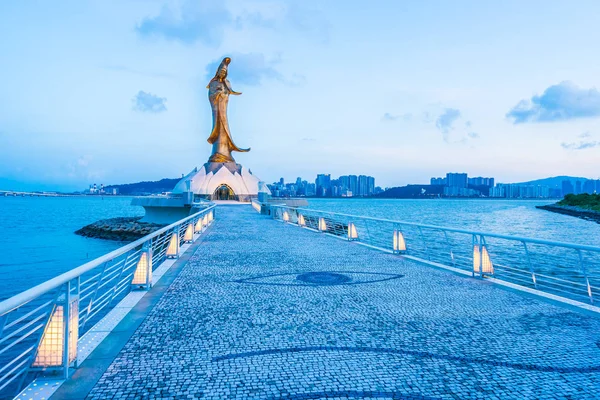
x: 224, y: 192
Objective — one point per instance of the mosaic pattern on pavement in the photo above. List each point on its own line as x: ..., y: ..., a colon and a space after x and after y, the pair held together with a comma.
x: 238, y: 323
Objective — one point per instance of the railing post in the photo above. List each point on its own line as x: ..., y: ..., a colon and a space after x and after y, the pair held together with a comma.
x: 450, y: 249
x: 424, y: 244
x: 476, y: 259
x: 587, y: 281
x: 480, y: 257
x: 78, y: 293
x: 531, y: 270
x: 149, y: 265
x: 66, y: 330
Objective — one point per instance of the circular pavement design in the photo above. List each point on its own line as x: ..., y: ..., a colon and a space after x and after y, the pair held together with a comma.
x: 323, y: 278
x: 320, y: 278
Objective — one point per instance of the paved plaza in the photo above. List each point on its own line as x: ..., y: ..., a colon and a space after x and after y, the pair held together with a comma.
x: 267, y: 310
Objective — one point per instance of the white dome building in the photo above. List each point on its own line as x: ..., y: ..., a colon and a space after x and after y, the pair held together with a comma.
x: 220, y: 181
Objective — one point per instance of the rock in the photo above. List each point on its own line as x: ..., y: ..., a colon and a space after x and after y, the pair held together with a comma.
x: 582, y: 213
x: 123, y: 229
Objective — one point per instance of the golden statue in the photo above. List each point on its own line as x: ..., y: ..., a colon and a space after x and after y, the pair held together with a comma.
x: 219, y: 90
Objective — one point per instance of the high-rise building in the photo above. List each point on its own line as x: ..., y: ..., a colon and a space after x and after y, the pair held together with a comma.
x: 513, y: 191
x: 456, y: 180
x: 577, y: 187
x: 567, y: 188
x: 353, y: 184
x: 345, y: 182
x: 370, y: 186
x: 323, y: 185
x: 481, y: 181
x: 589, y: 186
x: 363, y: 185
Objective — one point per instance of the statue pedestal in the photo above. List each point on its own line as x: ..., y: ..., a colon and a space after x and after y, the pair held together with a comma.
x: 220, y: 181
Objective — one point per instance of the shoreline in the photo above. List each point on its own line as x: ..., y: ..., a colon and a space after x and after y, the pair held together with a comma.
x: 588, y: 215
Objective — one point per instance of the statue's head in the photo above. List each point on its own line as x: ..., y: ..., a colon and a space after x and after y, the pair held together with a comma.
x: 221, y: 73
x: 222, y: 70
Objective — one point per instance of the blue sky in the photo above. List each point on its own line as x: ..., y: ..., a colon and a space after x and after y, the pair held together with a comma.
x: 114, y: 91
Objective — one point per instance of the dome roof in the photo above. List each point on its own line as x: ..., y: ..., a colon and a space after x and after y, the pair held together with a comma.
x: 212, y: 176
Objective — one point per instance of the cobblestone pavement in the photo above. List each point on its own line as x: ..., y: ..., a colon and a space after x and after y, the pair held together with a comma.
x: 266, y: 310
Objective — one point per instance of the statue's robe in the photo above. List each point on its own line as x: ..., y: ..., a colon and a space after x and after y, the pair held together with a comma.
x: 220, y: 137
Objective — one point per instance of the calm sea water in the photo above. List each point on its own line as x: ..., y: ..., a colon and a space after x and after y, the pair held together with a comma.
x: 38, y: 243
x: 509, y: 217
x: 37, y: 240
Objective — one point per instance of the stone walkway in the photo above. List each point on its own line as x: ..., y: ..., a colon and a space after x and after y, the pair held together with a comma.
x: 266, y: 310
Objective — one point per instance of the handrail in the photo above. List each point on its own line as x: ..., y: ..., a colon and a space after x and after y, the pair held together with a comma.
x: 43, y: 328
x: 15, y: 301
x: 457, y: 230
x: 550, y: 265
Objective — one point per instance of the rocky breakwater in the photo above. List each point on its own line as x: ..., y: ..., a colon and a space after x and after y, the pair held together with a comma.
x: 573, y: 211
x: 123, y: 229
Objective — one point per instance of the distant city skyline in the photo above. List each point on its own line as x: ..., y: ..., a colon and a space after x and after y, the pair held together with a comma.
x: 454, y: 184
x: 493, y: 88
x: 326, y: 186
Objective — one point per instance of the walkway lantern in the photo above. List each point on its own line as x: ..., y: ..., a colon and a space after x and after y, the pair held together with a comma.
x: 301, y: 221
x: 173, y: 249
x: 322, y: 225
x: 142, y: 277
x: 62, y: 332
x: 399, y: 242
x: 205, y: 220
x: 352, y: 232
x: 286, y: 216
x: 210, y: 217
x: 482, y: 263
x: 198, y: 226
x: 188, y: 236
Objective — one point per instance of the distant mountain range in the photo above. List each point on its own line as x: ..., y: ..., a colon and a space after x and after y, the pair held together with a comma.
x: 147, y: 187
x: 554, y: 182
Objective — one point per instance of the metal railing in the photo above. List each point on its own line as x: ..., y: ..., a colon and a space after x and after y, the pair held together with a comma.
x: 40, y: 327
x: 563, y: 269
